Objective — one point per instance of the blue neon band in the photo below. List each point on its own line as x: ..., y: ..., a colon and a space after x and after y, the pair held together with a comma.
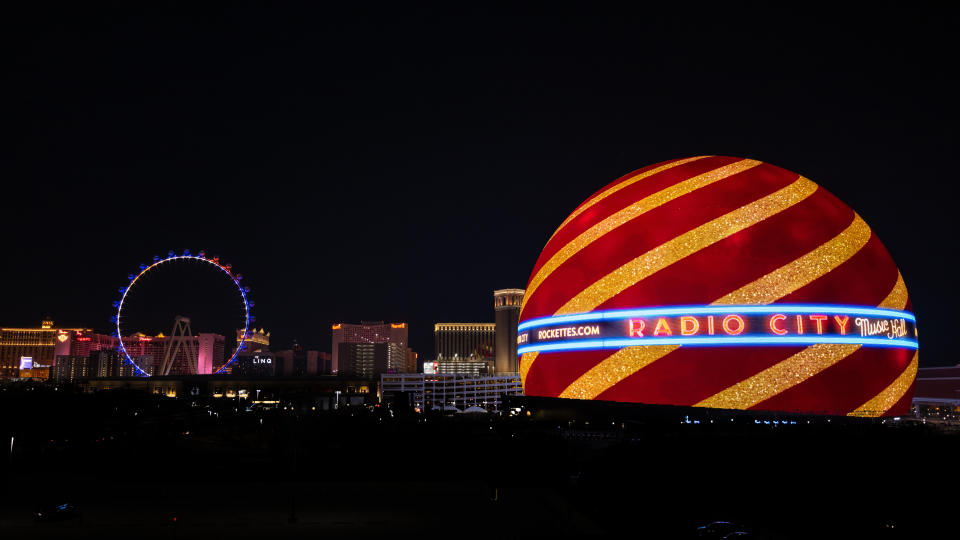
x: 830, y: 309
x: 619, y: 343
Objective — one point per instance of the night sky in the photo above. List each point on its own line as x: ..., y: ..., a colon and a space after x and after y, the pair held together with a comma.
x: 401, y: 163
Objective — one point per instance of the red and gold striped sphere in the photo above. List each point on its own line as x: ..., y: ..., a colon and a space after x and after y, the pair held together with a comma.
x: 718, y: 230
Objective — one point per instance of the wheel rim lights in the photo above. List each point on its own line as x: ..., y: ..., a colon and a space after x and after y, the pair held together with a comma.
x: 215, y: 261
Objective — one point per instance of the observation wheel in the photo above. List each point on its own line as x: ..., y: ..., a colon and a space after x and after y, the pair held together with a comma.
x: 174, y: 259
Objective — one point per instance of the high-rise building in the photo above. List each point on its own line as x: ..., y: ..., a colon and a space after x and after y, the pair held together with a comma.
x: 210, y: 352
x: 367, y: 332
x: 372, y: 359
x: 506, y: 306
x: 111, y: 364
x: 462, y: 341
x: 69, y: 369
x: 147, y: 351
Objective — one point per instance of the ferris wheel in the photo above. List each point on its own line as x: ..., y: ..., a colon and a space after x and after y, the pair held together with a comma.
x: 170, y: 259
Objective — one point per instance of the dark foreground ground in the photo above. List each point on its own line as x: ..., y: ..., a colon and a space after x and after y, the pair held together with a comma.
x: 139, y: 466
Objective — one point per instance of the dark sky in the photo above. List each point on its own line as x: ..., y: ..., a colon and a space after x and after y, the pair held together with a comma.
x: 401, y: 163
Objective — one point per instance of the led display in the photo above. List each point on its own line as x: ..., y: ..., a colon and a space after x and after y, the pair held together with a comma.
x: 723, y: 282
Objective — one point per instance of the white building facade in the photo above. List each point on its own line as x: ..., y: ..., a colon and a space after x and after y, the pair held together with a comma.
x: 431, y: 392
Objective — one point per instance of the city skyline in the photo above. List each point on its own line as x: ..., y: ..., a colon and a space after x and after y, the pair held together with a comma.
x: 287, y: 269
x: 344, y: 198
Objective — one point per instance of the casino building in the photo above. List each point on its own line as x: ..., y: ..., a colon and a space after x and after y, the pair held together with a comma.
x: 719, y: 282
x: 146, y: 351
x: 464, y: 340
x: 367, y: 332
x: 28, y: 348
x: 479, y: 348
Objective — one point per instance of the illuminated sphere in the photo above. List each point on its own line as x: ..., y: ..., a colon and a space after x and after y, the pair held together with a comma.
x: 713, y: 232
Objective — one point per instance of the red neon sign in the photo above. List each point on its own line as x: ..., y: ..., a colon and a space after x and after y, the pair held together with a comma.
x: 735, y: 324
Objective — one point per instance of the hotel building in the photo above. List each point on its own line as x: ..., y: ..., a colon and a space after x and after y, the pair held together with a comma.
x: 27, y: 348
x: 146, y: 351
x: 372, y: 359
x: 464, y: 341
x: 366, y: 332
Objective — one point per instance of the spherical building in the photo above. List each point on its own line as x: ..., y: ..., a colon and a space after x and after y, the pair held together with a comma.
x: 720, y: 282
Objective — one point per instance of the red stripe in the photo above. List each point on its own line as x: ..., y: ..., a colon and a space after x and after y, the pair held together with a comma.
x: 551, y: 373
x: 844, y: 386
x: 692, y: 374
x: 624, y: 198
x: 902, y: 407
x: 649, y: 231
x: 742, y: 258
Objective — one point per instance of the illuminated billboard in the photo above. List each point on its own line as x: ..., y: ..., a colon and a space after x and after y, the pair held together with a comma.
x: 720, y: 325
x: 719, y: 282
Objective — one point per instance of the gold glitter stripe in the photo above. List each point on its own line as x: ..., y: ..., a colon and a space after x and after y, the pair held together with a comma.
x: 687, y: 244
x: 631, y: 212
x: 795, y: 369
x: 779, y: 377
x: 526, y: 362
x: 806, y: 269
x: 890, y: 395
x: 897, y: 299
x: 617, y: 187
x: 615, y: 368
